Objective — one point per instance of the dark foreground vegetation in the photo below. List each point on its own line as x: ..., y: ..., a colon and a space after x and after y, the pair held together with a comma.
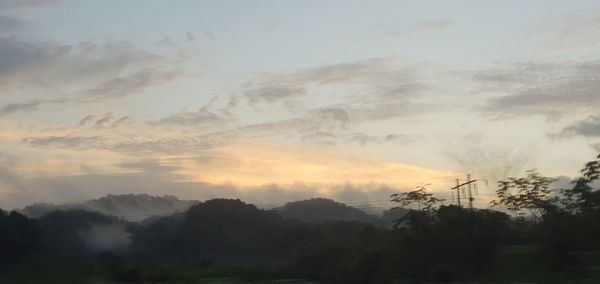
x: 549, y: 237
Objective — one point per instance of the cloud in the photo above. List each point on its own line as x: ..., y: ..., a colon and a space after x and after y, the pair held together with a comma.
x: 319, y: 126
x: 380, y: 77
x: 88, y: 71
x: 332, y: 125
x: 87, y: 119
x: 230, y: 107
x: 152, y: 167
x: 274, y: 92
x: 10, y: 24
x: 104, y: 121
x: 189, y: 37
x: 434, y: 25
x: 572, y: 30
x: 31, y: 105
x: 109, y: 67
x: 588, y: 127
x: 205, y: 117
x: 178, y: 145
x: 14, y: 4
x: 68, y: 142
x: 120, y: 121
x: 548, y: 89
x: 199, y: 118
x: 129, y: 85
x: 8, y: 178
x: 363, y: 139
x: 107, y: 237
x: 22, y: 60
x: 361, y: 92
x: 71, y: 189
x: 17, y: 107
x: 257, y: 172
x: 173, y: 145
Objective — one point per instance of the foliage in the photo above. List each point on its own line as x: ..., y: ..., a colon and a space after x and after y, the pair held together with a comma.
x: 583, y: 196
x: 19, y: 237
x: 425, y: 201
x: 230, y: 239
x: 531, y: 192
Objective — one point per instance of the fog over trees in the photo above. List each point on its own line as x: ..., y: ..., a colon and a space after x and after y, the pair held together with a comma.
x: 535, y: 235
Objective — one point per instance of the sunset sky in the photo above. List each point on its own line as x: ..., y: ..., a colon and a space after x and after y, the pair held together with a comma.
x: 274, y: 101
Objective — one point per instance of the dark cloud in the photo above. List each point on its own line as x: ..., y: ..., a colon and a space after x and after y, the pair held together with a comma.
x: 129, y: 85
x: 365, y: 91
x: 13, y: 4
x: 549, y: 89
x: 172, y: 145
x: 362, y: 139
x: 111, y: 69
x: 398, y: 137
x: 10, y: 24
x: 205, y: 117
x: 17, y: 107
x: 189, y: 37
x: 199, y: 118
x: 324, y: 126
x: 230, y: 107
x: 67, y: 142
x: 588, y: 127
x: 134, y: 146
x: 87, y: 119
x: 27, y: 106
x: 20, y: 57
x: 330, y: 118
x: 120, y: 121
x: 89, y: 71
x: 105, y: 120
x: 274, y: 92
x: 318, y: 126
x: 379, y: 77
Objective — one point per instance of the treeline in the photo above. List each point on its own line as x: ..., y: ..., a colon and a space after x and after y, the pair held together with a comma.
x: 544, y: 237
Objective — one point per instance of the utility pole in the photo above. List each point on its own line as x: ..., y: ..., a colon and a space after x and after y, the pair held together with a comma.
x: 470, y: 193
x: 459, y: 186
x: 457, y: 191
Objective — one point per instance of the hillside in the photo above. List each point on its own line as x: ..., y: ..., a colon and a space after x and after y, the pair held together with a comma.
x: 320, y: 210
x: 130, y: 206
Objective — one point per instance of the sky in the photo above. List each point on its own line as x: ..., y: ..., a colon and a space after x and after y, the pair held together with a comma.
x: 275, y: 101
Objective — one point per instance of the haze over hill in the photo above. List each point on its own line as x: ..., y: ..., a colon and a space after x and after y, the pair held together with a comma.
x: 320, y: 210
x: 137, y: 207
x: 128, y: 206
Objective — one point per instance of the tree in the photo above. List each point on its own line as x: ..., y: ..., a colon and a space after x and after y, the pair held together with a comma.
x: 583, y: 196
x: 425, y: 201
x: 19, y: 237
x: 426, y: 205
x: 531, y: 192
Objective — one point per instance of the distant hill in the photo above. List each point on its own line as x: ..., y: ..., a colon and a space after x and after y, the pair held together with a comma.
x: 320, y: 210
x: 132, y: 206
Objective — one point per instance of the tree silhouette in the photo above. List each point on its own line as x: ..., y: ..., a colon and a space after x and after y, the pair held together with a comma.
x: 531, y: 192
x: 426, y: 207
x: 425, y: 201
x: 583, y: 196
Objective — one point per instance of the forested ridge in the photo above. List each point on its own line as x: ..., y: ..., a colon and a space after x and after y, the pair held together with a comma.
x: 531, y: 234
